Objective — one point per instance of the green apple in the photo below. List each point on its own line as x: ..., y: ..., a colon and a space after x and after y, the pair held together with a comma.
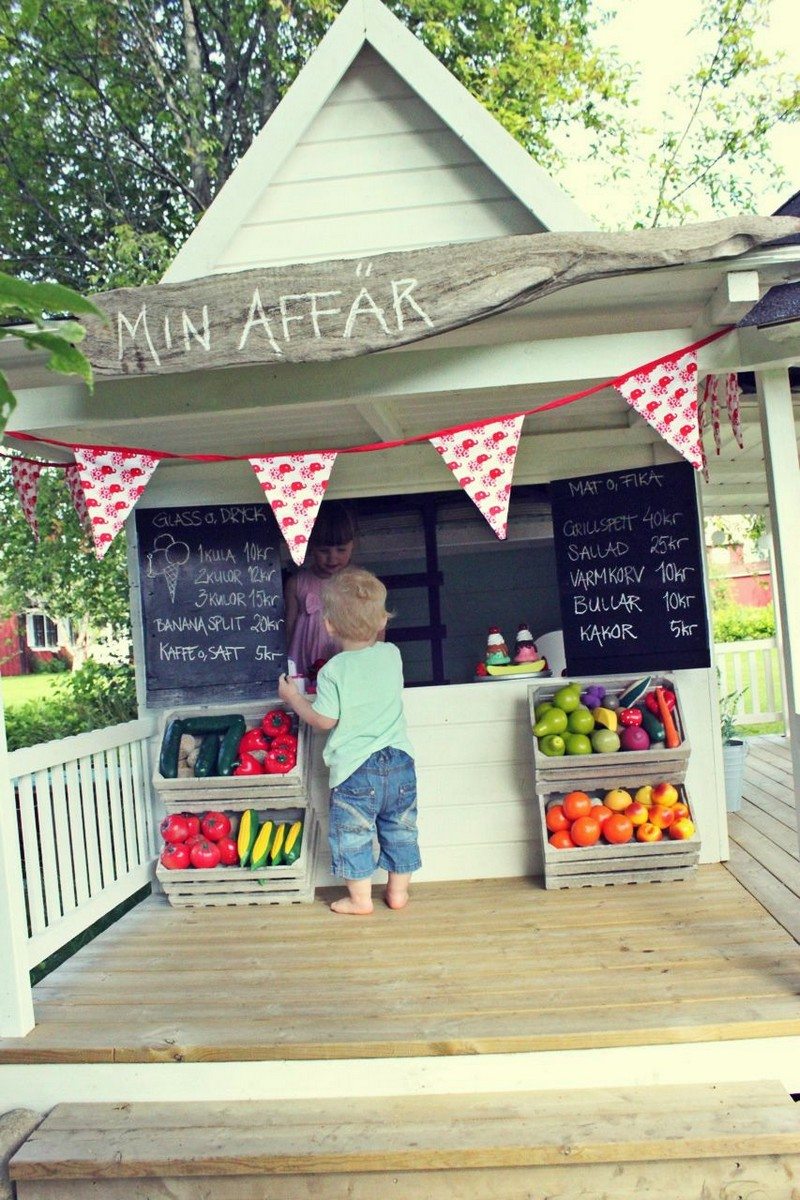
x: 605, y: 741
x: 580, y: 720
x: 578, y: 743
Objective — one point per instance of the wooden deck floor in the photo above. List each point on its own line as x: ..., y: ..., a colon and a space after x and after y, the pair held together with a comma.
x: 489, y: 967
x: 764, y: 853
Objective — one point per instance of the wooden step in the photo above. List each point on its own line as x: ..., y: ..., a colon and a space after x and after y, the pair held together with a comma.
x: 628, y: 1143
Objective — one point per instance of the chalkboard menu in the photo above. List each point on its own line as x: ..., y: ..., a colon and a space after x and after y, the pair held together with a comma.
x: 630, y: 571
x: 212, y: 602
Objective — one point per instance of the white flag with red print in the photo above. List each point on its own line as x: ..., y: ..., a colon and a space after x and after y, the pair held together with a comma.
x: 732, y: 397
x: 72, y: 478
x: 25, y: 477
x: 112, y: 481
x: 482, y: 460
x: 666, y: 396
x: 295, y: 486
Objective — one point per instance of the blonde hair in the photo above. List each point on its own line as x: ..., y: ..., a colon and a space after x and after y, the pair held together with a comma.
x: 354, y: 602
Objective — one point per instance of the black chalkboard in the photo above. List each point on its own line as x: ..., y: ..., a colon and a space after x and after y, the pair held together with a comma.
x: 630, y: 571
x: 212, y: 602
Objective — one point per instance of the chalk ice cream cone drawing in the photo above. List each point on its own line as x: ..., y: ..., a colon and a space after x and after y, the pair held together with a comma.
x: 166, y: 558
x: 496, y: 649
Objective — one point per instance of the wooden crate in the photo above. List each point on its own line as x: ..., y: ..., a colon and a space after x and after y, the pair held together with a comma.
x: 233, y: 793
x: 634, y: 862
x: 588, y: 771
x: 239, y: 885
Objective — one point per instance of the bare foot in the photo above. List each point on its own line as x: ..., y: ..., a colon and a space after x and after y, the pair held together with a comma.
x: 396, y: 899
x: 352, y: 908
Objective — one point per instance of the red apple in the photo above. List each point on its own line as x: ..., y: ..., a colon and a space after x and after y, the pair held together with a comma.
x: 681, y: 810
x: 637, y: 813
x: 648, y: 833
x: 661, y: 817
x: 682, y: 829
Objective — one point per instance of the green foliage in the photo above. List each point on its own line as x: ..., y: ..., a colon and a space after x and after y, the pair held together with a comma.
x: 93, y: 697
x: 732, y: 624
x: 60, y: 573
x: 149, y: 106
x: 728, y: 705
x: 21, y: 301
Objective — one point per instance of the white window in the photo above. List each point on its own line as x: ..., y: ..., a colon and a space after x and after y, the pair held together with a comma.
x: 41, y: 633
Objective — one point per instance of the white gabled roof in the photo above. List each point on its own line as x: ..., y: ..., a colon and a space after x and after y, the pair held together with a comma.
x: 362, y: 23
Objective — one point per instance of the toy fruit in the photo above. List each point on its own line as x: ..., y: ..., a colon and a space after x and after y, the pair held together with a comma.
x: 568, y: 697
x: 652, y: 701
x: 577, y: 743
x: 552, y: 721
x: 254, y: 739
x: 204, y: 854
x: 648, y: 833
x: 606, y: 717
x: 541, y: 708
x: 215, y: 826
x: 630, y: 716
x: 553, y: 745
x: 228, y: 852
x: 279, y: 761
x: 585, y: 831
x: 561, y: 840
x: 576, y: 804
x: 174, y: 828
x: 634, y: 738
x: 680, y: 810
x: 617, y: 829
x: 682, y: 829
x: 556, y: 818
x: 634, y: 692
x: 580, y: 720
x: 654, y: 728
x: 665, y: 794
x: 600, y: 812
x: 671, y: 736
x: 637, y: 813
x: 662, y: 817
x: 175, y: 856
x: 644, y: 795
x: 604, y: 741
x: 248, y: 765
x: 617, y: 799
x: 277, y: 720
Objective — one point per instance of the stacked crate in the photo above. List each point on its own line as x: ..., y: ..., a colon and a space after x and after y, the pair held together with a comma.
x: 279, y: 798
x: 554, y: 777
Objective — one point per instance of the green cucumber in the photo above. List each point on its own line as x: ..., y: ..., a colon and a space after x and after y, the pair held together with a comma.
x: 206, y: 762
x: 170, y: 746
x: 651, y: 724
x: 210, y: 724
x: 229, y: 746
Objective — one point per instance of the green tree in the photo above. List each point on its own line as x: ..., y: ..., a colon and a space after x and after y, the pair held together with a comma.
x: 122, y: 121
x: 60, y: 574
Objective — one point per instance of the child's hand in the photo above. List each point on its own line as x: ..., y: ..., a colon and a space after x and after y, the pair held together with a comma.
x: 287, y: 690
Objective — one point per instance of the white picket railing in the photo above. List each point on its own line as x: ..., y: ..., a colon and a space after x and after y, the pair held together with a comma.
x: 85, y: 826
x: 752, y: 668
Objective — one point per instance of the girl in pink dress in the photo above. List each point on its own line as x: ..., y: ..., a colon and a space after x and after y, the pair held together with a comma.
x: 330, y: 548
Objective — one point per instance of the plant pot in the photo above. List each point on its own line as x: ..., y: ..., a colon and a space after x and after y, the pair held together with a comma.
x: 734, y: 754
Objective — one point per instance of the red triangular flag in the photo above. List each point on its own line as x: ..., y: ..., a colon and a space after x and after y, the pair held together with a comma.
x: 732, y: 395
x: 666, y: 396
x: 25, y: 477
x: 112, y: 482
x: 482, y: 459
x: 295, y: 485
x: 72, y: 477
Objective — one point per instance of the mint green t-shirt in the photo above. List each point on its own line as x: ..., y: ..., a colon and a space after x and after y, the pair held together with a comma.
x: 363, y: 691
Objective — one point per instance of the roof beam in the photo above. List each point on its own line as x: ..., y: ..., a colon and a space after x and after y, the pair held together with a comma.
x: 734, y: 297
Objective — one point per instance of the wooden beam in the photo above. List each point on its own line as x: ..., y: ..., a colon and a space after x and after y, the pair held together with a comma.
x: 734, y: 297
x: 380, y: 417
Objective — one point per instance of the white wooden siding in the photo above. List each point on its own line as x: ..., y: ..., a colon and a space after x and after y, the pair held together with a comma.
x: 377, y: 170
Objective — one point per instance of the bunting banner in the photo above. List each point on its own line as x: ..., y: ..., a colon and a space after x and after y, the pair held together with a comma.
x: 702, y: 425
x: 295, y: 485
x: 72, y: 477
x: 25, y: 477
x: 482, y: 459
x: 112, y: 481
x: 665, y: 394
x: 732, y: 397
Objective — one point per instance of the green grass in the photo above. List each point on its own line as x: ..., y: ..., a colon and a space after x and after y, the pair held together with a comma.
x: 19, y: 689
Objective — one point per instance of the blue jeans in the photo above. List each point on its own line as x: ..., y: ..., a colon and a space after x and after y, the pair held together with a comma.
x: 379, y: 798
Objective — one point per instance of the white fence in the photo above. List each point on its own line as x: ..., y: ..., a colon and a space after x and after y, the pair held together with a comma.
x: 85, y: 829
x: 753, y: 669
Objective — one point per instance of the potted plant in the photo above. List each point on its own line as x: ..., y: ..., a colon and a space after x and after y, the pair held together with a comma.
x: 734, y: 750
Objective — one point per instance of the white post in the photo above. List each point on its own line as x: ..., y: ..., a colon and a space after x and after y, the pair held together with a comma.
x: 783, y: 485
x: 16, y: 1001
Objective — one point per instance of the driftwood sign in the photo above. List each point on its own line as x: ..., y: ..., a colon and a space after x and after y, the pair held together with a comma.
x: 323, y: 311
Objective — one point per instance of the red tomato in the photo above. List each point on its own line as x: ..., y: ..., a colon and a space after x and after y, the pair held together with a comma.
x: 228, y: 853
x: 561, y: 840
x: 214, y: 826
x: 585, y: 831
x: 174, y: 828
x: 193, y: 821
x: 556, y: 818
x: 617, y: 829
x: 576, y: 804
x: 175, y: 857
x: 204, y: 854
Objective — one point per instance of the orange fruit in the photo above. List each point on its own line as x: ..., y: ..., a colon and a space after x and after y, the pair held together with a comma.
x: 585, y: 831
x: 556, y: 819
x: 617, y: 799
x: 618, y: 829
x: 561, y: 840
x: 576, y: 804
x: 600, y: 813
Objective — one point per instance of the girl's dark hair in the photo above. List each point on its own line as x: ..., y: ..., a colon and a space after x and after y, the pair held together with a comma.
x: 335, y: 525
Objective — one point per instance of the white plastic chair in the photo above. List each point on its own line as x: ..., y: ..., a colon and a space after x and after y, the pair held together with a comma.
x: 551, y: 646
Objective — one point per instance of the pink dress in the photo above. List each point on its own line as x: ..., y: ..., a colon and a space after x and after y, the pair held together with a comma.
x: 310, y: 639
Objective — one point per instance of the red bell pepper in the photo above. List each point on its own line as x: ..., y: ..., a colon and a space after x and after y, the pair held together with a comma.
x: 630, y: 716
x: 652, y: 702
x: 284, y: 741
x: 248, y: 765
x: 279, y: 761
x: 276, y: 721
x: 254, y: 739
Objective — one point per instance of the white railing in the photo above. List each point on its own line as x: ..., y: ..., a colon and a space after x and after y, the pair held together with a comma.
x: 85, y: 827
x: 753, y: 669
